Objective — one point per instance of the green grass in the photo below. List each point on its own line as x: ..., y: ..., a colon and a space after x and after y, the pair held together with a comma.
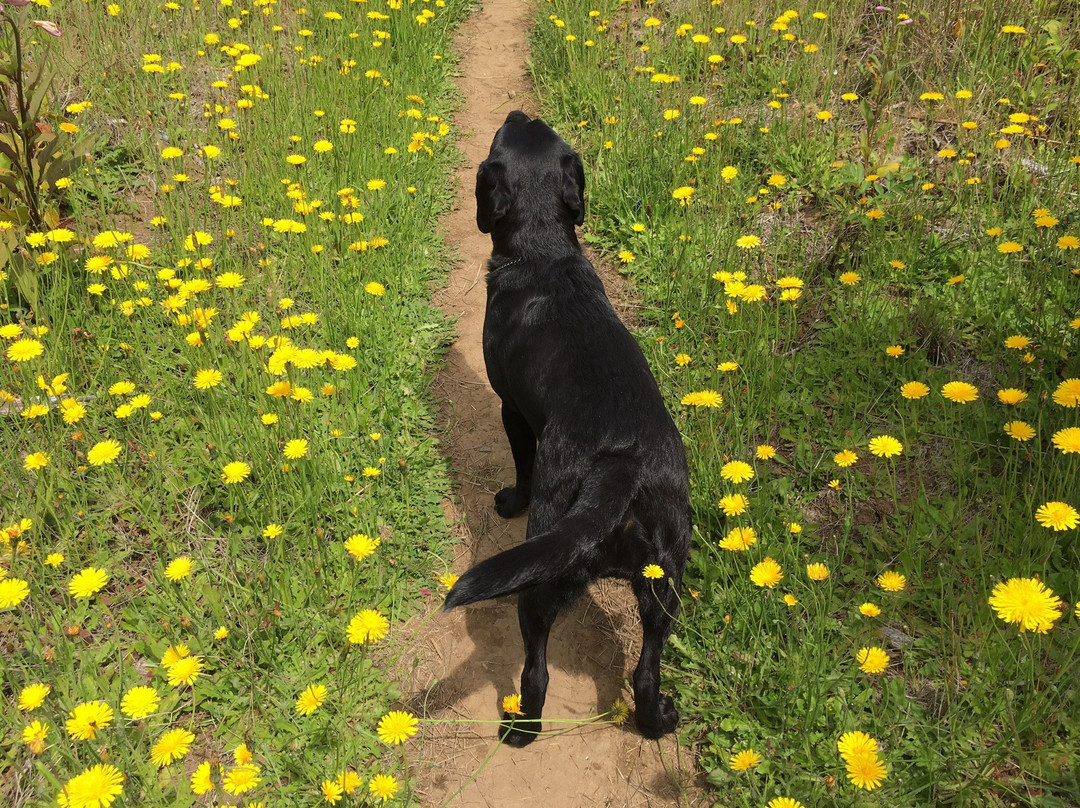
x: 155, y: 318
x: 969, y: 711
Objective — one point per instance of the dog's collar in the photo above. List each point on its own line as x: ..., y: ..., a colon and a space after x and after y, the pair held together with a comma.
x: 508, y: 264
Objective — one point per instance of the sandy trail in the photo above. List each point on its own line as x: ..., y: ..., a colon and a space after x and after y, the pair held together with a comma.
x: 465, y: 662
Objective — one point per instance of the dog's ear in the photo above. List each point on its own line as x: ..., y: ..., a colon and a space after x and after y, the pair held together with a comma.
x: 492, y: 195
x: 573, y: 189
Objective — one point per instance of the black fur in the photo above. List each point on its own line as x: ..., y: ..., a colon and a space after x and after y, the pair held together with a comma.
x: 598, y: 459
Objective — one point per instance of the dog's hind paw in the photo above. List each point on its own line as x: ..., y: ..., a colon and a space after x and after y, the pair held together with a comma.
x: 665, y: 720
x: 518, y: 731
x: 510, y: 503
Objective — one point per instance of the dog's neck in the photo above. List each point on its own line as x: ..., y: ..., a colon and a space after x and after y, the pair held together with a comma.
x: 498, y: 262
x: 534, y: 242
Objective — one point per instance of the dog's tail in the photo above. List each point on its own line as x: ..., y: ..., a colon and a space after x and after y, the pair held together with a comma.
x: 551, y: 556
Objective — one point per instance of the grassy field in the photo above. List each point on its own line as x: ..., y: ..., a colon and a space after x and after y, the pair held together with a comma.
x: 220, y: 484
x: 855, y: 238
x: 854, y: 235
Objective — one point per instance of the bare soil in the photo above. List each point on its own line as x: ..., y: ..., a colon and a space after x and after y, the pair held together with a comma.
x: 466, y: 661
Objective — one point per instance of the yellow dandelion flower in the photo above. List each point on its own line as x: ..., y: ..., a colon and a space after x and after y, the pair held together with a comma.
x: 383, y: 786
x: 1019, y: 430
x: 139, y: 702
x: 360, y: 546
x: 885, y: 446
x: 87, y: 582
x: 13, y: 591
x: 1010, y: 396
x: 1067, y: 440
x: 744, y: 760
x: 33, y: 696
x: 872, y: 659
x: 766, y: 573
x: 846, y: 458
x: 185, y: 671
x: 36, y: 461
x: 448, y: 580
x: 296, y: 448
x: 960, y: 392
x: 367, y: 626
x: 396, y: 727
x: 734, y: 504
x: 97, y: 787
x: 1067, y: 394
x: 856, y: 743
x: 241, y: 779
x: 87, y: 718
x: 737, y: 471
x: 914, y: 390
x: 866, y: 771
x: 1057, y: 516
x: 172, y: 746
x: 784, y: 802
x: 179, y: 568
x: 201, y: 781
x: 512, y: 704
x: 702, y: 398
x: 683, y: 194
x: 891, y: 581
x: 24, y: 350
x: 103, y: 453
x: 33, y: 735
x: 311, y: 699
x: 235, y: 472
x: 1027, y: 602
x: 739, y: 539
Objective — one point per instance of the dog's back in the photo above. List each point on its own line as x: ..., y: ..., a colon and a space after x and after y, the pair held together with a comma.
x: 585, y: 371
x: 557, y: 353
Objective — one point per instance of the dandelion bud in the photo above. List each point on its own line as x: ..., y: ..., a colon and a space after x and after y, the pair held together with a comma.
x: 48, y: 27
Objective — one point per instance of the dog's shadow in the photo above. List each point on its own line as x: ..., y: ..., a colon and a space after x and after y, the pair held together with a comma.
x: 588, y: 641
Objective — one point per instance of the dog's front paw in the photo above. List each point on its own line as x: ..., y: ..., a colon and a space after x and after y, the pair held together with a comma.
x: 510, y: 503
x: 665, y: 720
x: 518, y: 731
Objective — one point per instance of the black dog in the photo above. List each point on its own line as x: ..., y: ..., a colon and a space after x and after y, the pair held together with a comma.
x: 596, y: 453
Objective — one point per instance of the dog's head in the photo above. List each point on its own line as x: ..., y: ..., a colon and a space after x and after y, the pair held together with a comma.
x: 529, y: 173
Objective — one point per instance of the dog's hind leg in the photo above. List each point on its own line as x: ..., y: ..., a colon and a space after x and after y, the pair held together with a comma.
x: 510, y: 502
x: 537, y: 609
x: 658, y: 603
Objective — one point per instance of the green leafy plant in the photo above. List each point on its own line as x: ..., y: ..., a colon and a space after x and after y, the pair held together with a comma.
x: 30, y: 150
x: 33, y: 156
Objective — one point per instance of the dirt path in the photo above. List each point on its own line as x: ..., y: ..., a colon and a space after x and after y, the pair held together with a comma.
x: 468, y: 660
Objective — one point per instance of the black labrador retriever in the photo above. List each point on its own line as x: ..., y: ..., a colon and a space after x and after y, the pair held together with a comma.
x: 599, y: 462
